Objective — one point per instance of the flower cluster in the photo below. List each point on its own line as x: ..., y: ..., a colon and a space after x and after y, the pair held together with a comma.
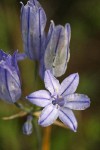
x: 51, y: 51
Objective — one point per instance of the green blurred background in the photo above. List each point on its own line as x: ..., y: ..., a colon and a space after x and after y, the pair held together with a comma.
x: 84, y: 18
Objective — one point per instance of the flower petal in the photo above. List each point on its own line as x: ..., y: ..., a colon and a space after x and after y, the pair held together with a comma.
x: 3, y: 55
x: 40, y: 98
x: 21, y: 56
x: 77, y: 101
x: 50, y: 32
x: 48, y: 115
x: 10, y: 90
x: 35, y: 3
x: 68, y: 31
x: 68, y: 118
x: 51, y: 83
x: 69, y: 84
x: 10, y: 86
x: 14, y: 62
x: 41, y: 68
x: 68, y: 34
x: 13, y: 71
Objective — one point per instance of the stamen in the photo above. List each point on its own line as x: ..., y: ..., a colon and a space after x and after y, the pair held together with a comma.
x: 59, y: 101
x: 54, y: 102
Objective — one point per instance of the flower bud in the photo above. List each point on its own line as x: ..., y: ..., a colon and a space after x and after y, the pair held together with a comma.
x: 33, y: 21
x: 10, y: 86
x: 57, y: 50
x: 28, y: 127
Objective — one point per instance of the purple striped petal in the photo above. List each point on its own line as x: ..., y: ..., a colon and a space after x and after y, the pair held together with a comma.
x: 68, y: 118
x: 40, y: 98
x: 10, y: 86
x: 10, y: 90
x: 69, y: 84
x: 42, y: 68
x: 12, y: 71
x: 48, y: 115
x: 51, y: 83
x: 77, y: 101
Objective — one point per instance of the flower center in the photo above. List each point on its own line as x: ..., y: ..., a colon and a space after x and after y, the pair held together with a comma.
x: 59, y: 101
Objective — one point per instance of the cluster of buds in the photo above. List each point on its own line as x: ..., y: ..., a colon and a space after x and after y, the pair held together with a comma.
x: 51, y: 50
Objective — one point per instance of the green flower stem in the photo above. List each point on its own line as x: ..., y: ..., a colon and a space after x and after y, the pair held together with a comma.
x: 28, y: 110
x: 35, y: 126
x: 37, y: 133
x: 36, y: 70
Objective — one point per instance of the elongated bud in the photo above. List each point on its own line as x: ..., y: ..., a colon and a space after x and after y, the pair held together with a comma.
x: 28, y: 127
x: 10, y: 86
x: 57, y: 50
x: 33, y: 21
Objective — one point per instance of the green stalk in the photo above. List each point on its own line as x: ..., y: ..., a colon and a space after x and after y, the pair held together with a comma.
x: 37, y: 133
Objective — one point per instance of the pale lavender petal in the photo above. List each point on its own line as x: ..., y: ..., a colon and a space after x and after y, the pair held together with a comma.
x: 68, y: 31
x: 51, y: 83
x: 40, y: 98
x: 68, y: 118
x: 69, y: 84
x: 68, y: 37
x: 77, y: 101
x: 48, y: 115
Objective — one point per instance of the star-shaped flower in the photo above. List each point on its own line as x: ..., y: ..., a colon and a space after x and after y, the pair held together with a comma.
x: 59, y: 100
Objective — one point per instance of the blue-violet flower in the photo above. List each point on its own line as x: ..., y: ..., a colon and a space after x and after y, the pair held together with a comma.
x: 33, y: 21
x: 59, y: 100
x: 10, y: 86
